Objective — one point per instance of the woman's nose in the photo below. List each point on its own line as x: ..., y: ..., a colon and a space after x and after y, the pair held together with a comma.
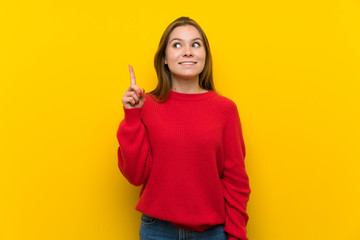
x: 187, y: 51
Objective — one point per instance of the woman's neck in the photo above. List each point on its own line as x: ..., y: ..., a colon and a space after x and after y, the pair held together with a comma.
x: 187, y: 86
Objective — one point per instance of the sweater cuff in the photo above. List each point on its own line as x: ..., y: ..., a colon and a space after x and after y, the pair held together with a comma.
x: 132, y: 115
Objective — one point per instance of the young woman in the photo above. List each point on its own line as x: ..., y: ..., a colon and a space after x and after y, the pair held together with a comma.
x: 183, y: 143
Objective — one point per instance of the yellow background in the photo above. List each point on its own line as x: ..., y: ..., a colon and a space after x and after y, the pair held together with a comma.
x: 292, y: 67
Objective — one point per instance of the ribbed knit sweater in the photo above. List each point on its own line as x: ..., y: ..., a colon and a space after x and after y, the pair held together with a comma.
x: 188, y: 155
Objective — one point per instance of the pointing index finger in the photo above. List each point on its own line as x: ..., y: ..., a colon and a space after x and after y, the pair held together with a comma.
x: 132, y: 75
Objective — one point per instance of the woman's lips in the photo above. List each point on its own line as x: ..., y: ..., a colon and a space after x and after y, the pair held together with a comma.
x: 187, y: 63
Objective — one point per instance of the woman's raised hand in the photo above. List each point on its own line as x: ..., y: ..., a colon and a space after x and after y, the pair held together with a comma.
x: 134, y: 97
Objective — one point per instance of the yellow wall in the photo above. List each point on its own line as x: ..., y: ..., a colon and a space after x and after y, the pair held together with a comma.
x: 292, y: 67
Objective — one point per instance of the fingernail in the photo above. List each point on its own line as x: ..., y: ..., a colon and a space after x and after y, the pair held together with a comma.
x: 137, y: 102
x: 140, y: 94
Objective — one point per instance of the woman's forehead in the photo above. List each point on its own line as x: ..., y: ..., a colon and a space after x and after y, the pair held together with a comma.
x: 185, y: 32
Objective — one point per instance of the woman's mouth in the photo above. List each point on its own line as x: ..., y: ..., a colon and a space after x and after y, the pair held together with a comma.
x: 187, y: 63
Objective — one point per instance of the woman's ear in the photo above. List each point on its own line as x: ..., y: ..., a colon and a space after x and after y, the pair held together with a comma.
x: 165, y: 60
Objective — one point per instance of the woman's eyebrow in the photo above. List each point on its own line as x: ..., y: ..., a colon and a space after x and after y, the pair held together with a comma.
x: 182, y: 39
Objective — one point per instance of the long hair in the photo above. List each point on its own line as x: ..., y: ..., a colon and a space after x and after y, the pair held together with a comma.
x: 164, y: 85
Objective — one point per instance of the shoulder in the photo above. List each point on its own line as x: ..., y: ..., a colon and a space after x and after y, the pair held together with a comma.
x: 150, y: 99
x: 227, y: 105
x: 228, y: 110
x: 151, y: 103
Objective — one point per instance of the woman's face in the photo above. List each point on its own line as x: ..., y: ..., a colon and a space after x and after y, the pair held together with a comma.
x: 185, y: 53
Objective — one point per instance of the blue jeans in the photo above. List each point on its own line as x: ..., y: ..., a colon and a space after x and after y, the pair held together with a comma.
x: 156, y: 229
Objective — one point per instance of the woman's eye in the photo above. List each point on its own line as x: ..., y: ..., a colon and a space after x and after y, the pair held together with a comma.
x: 195, y: 44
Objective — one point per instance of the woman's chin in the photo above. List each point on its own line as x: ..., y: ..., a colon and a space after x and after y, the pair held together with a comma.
x: 187, y: 76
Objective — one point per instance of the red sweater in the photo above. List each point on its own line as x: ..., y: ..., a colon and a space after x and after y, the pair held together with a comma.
x: 188, y: 153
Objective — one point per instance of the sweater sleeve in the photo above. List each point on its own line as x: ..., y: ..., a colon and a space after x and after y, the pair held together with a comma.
x: 235, y: 182
x: 134, y: 153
